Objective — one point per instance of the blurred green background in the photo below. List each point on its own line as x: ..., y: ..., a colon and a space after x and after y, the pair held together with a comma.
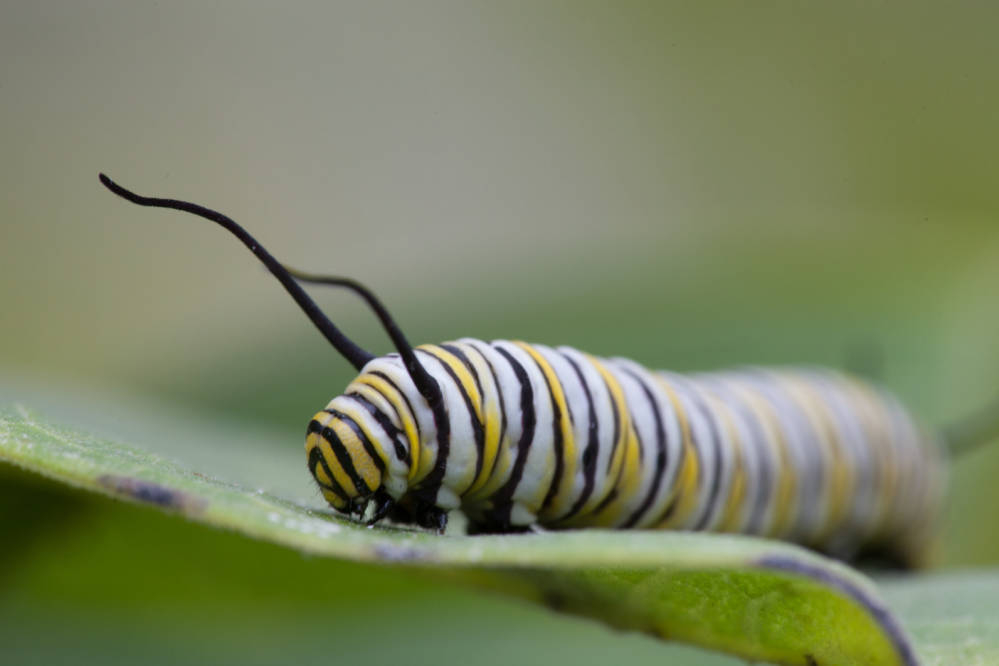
x: 690, y: 186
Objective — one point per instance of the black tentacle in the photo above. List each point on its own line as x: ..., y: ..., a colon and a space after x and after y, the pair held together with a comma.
x: 426, y: 384
x: 357, y: 356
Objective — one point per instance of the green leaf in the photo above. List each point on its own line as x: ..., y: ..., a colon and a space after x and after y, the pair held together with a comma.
x: 753, y: 598
x: 953, y: 616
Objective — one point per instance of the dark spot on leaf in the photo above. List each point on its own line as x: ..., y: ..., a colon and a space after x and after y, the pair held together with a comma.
x: 554, y: 600
x: 810, y: 660
x: 151, y: 493
x: 655, y: 632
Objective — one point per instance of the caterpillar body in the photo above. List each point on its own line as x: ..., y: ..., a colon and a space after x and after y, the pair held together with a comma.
x: 561, y: 439
x: 518, y: 435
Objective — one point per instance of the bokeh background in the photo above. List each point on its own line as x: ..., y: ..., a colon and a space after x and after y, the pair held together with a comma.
x: 691, y: 186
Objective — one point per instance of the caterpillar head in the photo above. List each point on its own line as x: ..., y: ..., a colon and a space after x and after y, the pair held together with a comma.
x: 346, y: 465
x: 349, y: 473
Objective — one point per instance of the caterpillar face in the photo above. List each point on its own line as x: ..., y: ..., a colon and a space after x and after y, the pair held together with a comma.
x: 347, y: 474
x: 361, y: 446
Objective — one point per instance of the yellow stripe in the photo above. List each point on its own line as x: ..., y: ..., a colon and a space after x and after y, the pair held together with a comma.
x: 840, y: 475
x: 360, y: 416
x: 319, y: 471
x: 363, y: 464
x: 492, y: 417
x: 620, y: 407
x: 689, y: 478
x: 386, y: 444
x: 464, y: 376
x: 787, y: 482
x: 870, y: 409
x: 730, y: 522
x: 616, y: 511
x: 737, y: 495
x: 631, y: 477
x: 331, y: 461
x: 467, y: 382
x: 333, y: 498
x: 392, y: 394
x: 560, y: 503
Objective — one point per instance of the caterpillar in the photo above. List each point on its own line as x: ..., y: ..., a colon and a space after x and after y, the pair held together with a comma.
x: 521, y: 436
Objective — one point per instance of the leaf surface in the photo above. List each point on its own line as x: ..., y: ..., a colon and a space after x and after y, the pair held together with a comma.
x: 754, y: 598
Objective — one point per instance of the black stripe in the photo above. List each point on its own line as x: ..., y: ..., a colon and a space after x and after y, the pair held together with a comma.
x: 787, y: 426
x: 343, y: 457
x: 818, y: 472
x: 713, y: 493
x: 675, y: 502
x: 409, y: 405
x: 765, y: 481
x: 315, y: 459
x: 457, y: 352
x: 611, y: 496
x: 433, y: 481
x: 502, y: 406
x: 668, y: 511
x: 657, y: 480
x: 615, y: 407
x: 617, y: 424
x: 528, y: 421
x: 369, y: 448
x: 559, y: 442
x: 788, y: 432
x: 592, y: 444
x: 401, y: 451
x: 477, y: 430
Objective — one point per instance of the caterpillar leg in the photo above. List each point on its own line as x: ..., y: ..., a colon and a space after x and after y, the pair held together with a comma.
x: 475, y: 529
x: 504, y: 518
x: 410, y: 510
x: 383, y: 505
x: 432, y: 518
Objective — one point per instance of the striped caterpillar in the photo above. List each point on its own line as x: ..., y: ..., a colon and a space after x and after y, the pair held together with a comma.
x: 558, y: 438
x: 517, y: 436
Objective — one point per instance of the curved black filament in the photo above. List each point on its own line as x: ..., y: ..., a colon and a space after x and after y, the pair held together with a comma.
x: 426, y: 384
x: 357, y: 356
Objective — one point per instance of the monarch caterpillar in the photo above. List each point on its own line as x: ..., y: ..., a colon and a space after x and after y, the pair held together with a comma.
x: 519, y: 435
